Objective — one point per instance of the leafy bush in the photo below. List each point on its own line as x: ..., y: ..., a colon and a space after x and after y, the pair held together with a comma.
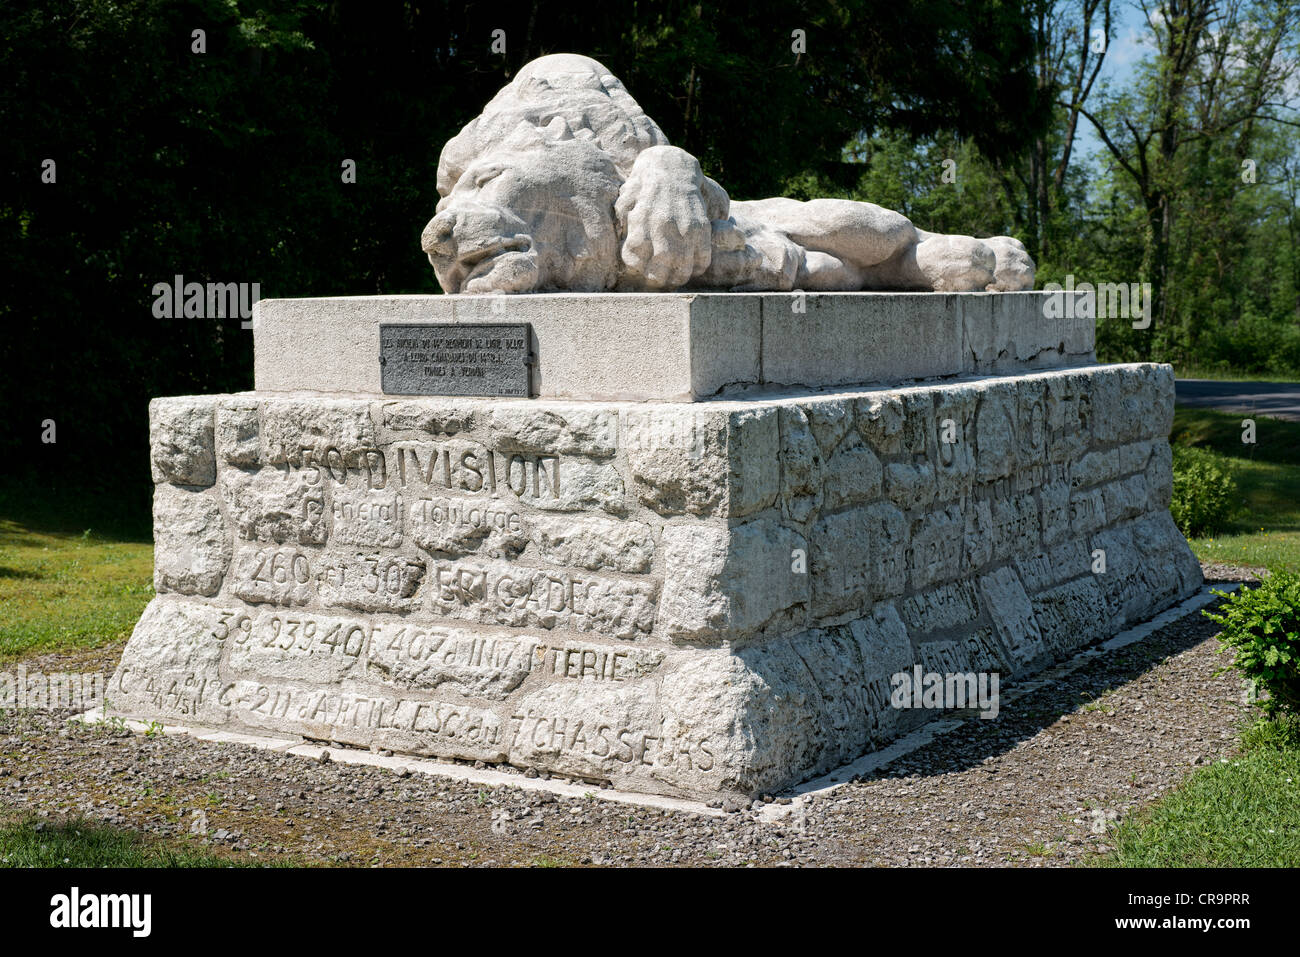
x: 1204, y: 496
x: 1263, y: 625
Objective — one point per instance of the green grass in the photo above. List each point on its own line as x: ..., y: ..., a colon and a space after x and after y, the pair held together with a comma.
x: 1245, y: 812
x: 1276, y: 440
x: 1230, y: 375
x: 33, y: 843
x: 1266, y: 531
x: 1241, y: 813
x: 76, y: 569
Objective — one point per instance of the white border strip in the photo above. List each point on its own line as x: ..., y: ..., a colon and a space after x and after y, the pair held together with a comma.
x: 487, y: 777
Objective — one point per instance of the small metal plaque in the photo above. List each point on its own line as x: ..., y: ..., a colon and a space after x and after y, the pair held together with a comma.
x: 455, y: 359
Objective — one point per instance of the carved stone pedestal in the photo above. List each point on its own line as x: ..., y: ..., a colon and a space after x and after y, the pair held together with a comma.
x: 686, y: 597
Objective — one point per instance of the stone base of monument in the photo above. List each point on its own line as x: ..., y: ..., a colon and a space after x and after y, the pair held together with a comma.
x: 679, y: 597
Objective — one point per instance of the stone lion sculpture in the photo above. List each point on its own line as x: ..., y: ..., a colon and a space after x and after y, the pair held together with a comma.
x: 563, y: 183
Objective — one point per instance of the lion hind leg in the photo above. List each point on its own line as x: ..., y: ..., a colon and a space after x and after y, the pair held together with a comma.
x: 822, y: 272
x: 859, y: 235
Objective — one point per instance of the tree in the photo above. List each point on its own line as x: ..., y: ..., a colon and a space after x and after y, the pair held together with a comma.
x: 1069, y: 60
x: 224, y: 165
x: 1217, y: 73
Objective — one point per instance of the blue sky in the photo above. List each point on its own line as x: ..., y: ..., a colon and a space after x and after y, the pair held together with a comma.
x: 1128, y: 36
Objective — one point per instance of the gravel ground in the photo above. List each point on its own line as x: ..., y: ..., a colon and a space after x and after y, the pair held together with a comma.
x: 1036, y: 787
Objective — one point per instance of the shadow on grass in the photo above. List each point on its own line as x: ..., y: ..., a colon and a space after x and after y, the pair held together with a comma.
x: 58, y: 505
x: 6, y: 572
x: 1264, y: 530
x: 1276, y: 440
x: 1270, y: 495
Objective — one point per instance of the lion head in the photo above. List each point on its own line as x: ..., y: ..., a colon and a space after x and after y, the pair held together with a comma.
x: 527, y: 188
x: 533, y: 213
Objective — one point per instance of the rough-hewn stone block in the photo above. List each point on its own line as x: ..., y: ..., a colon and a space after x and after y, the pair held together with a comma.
x: 682, y: 597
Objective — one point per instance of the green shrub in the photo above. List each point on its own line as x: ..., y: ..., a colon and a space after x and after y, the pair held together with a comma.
x: 1204, y: 496
x: 1263, y: 625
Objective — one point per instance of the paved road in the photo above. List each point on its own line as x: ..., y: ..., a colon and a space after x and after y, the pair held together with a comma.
x: 1281, y: 400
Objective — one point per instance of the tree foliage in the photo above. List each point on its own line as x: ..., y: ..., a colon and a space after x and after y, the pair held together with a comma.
x: 225, y: 165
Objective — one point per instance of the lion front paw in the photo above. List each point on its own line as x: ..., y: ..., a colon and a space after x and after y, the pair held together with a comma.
x: 663, y: 220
